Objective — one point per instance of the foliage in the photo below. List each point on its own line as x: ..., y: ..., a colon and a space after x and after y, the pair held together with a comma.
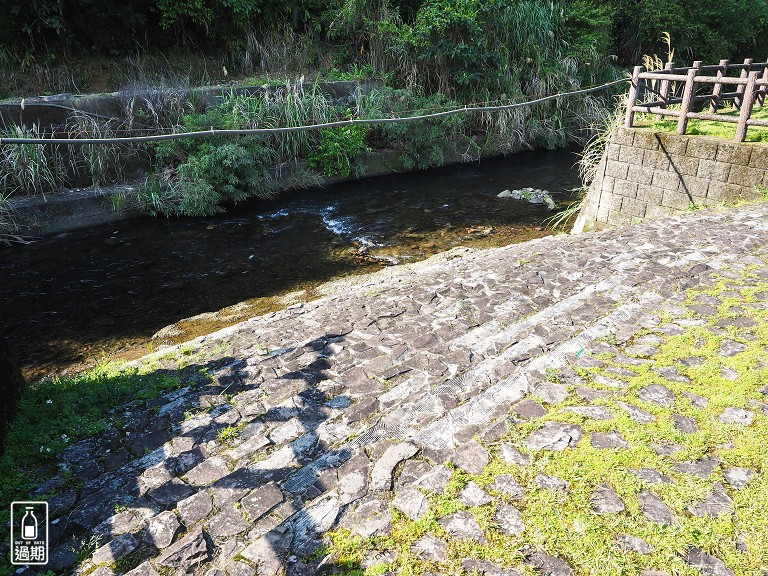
x: 55, y: 413
x: 30, y: 168
x: 338, y: 150
x: 423, y: 143
x: 202, y: 176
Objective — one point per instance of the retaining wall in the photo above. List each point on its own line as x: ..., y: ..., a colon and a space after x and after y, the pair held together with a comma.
x: 646, y: 175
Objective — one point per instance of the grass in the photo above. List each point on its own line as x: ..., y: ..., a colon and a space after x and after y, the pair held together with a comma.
x: 563, y: 524
x: 57, y: 412
x: 709, y: 127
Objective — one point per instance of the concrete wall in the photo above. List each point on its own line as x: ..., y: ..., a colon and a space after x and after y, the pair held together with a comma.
x: 69, y: 210
x: 645, y: 175
x: 54, y: 110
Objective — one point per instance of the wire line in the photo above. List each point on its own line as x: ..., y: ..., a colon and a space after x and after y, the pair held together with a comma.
x: 246, y: 131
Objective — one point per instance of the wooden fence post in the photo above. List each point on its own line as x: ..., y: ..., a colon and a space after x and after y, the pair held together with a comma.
x: 746, y: 107
x: 685, y: 105
x: 761, y: 92
x: 632, y: 98
x: 740, y: 88
x: 714, y: 104
x: 664, y: 88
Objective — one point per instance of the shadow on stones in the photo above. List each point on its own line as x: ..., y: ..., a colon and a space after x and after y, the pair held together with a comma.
x: 165, y: 482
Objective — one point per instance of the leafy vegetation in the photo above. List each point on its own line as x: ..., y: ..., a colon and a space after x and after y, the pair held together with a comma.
x: 54, y: 413
x: 575, y: 533
x: 431, y: 55
x: 708, y: 127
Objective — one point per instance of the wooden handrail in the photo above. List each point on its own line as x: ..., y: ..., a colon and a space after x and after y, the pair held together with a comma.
x: 750, y: 87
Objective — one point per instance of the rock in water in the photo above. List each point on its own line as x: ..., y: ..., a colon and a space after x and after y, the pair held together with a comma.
x: 532, y: 195
x: 11, y: 385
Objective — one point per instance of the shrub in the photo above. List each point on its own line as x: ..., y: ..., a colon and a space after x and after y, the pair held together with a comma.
x: 339, y: 151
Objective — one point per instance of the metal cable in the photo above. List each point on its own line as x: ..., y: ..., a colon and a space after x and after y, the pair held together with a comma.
x: 338, y: 123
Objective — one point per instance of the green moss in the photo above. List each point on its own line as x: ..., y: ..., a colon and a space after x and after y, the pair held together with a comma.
x: 564, y: 523
x: 708, y: 127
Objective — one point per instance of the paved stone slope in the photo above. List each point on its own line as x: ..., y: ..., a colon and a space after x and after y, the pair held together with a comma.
x: 337, y: 412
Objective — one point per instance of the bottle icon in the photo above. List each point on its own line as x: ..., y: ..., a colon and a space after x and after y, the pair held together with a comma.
x: 29, y: 525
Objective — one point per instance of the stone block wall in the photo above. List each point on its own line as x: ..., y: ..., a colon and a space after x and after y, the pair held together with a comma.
x: 645, y: 175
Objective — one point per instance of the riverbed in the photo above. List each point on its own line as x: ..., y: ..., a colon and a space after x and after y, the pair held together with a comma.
x: 119, y: 291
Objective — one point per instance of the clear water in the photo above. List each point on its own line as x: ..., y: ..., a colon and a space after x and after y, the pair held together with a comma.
x: 72, y: 299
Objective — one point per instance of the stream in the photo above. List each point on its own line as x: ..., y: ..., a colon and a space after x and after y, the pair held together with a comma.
x: 120, y: 291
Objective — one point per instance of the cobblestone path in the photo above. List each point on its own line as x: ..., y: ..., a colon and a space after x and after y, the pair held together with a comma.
x: 590, y: 404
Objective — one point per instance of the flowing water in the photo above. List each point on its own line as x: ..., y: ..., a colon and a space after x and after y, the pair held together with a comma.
x: 72, y: 299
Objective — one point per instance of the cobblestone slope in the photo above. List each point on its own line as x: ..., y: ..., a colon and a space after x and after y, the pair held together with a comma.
x: 433, y: 416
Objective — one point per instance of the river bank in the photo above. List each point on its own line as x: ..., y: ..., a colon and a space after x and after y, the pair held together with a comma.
x: 430, y: 416
x: 142, y: 277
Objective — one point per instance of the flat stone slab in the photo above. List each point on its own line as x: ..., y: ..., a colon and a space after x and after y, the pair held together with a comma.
x: 381, y: 477
x: 472, y: 495
x: 116, y: 549
x: 512, y: 455
x: 471, y: 457
x: 702, y: 468
x: 462, y: 526
x: 696, y: 400
x: 507, y: 485
x: 629, y: 543
x: 228, y: 522
x: 162, y: 529
x: 609, y: 382
x: 592, y: 412
x: 656, y: 394
x: 371, y: 518
x: 411, y: 502
x: 549, y: 565
x: 738, y: 477
x: 262, y: 500
x: 529, y: 409
x: 554, y: 436
x: 716, y: 504
x: 650, y: 475
x: 195, y: 507
x: 187, y: 553
x: 509, y: 520
x: 673, y: 375
x: 685, y: 424
x: 608, y: 441
x: 736, y: 416
x: 605, y: 501
x: 551, y: 483
x: 208, y: 471
x: 730, y: 348
x: 635, y: 413
x: 430, y: 548
x: 550, y: 392
x: 436, y: 480
x: 591, y: 394
x: 654, y: 509
x: 706, y: 564
x: 486, y: 568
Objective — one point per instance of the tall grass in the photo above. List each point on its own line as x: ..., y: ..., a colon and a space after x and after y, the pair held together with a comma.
x: 102, y: 163
x: 156, y: 102
x: 293, y: 104
x: 30, y: 168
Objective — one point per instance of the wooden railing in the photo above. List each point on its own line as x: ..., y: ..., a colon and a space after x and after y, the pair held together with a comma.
x: 652, y: 92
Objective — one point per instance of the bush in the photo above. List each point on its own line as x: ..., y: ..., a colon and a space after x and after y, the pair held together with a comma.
x: 339, y: 150
x: 203, y: 176
x: 423, y: 143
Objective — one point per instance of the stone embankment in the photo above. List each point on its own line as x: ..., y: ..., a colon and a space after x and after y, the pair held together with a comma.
x: 447, y: 397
